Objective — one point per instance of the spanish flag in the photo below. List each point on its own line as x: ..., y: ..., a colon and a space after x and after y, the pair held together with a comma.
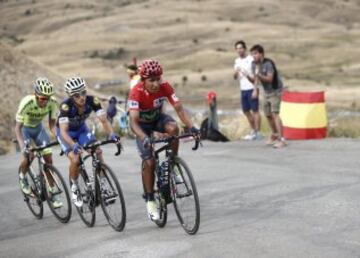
x: 303, y: 115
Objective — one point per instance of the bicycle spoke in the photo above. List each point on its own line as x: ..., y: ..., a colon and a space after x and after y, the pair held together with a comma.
x: 33, y: 200
x: 186, y: 201
x: 87, y: 210
x: 112, y: 200
x: 57, y: 194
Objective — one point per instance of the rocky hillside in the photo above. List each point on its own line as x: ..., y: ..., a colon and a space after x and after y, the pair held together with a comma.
x: 17, y: 72
x: 315, y: 43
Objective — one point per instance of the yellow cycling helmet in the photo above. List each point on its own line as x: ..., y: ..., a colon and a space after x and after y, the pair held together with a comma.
x: 43, y: 86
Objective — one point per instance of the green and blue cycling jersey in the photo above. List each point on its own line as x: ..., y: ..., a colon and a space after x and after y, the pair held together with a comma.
x: 31, y: 115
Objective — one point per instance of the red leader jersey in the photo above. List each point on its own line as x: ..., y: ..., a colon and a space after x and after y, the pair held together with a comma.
x: 150, y: 104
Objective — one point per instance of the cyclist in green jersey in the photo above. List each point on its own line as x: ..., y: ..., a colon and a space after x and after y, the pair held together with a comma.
x: 32, y: 109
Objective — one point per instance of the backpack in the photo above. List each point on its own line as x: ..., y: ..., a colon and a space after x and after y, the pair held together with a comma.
x: 275, y: 82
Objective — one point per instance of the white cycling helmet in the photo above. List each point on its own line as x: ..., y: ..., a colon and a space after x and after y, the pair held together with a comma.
x: 75, y: 85
x: 42, y: 86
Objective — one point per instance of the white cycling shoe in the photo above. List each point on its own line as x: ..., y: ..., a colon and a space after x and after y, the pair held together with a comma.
x: 76, y: 196
x: 152, y: 210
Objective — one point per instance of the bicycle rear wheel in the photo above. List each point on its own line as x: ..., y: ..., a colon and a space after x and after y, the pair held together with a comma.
x: 33, y: 200
x: 60, y: 191
x: 87, y: 210
x: 185, y: 197
x: 112, y: 199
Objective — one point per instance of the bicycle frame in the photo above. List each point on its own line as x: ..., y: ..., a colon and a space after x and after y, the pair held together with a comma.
x: 95, y: 163
x: 40, y: 177
x: 169, y: 156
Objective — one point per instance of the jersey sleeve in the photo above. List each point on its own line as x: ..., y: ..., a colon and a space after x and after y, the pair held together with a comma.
x: 134, y: 99
x: 96, y: 106
x: 24, y: 103
x: 170, y: 94
x: 64, y: 113
x: 54, y: 109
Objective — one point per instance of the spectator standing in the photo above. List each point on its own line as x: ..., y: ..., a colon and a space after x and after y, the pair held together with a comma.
x: 266, y: 74
x: 249, y: 94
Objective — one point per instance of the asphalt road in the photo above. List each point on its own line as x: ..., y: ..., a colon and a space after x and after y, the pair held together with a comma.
x: 302, y: 201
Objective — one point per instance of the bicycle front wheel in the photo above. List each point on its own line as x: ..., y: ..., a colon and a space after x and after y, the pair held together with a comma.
x: 87, y: 210
x: 112, y: 199
x: 57, y: 195
x: 162, y: 208
x: 185, y: 196
x: 33, y: 200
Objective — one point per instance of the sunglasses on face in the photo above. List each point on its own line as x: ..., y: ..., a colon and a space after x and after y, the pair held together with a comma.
x: 80, y: 94
x: 42, y: 98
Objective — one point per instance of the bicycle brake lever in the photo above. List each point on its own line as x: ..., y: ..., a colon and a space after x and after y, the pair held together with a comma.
x: 196, y: 146
x: 119, y: 149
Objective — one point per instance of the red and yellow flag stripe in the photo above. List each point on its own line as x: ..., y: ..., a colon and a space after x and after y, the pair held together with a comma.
x: 303, y: 115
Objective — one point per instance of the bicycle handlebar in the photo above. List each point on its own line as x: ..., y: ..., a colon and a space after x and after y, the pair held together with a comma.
x: 93, y: 146
x: 172, y: 138
x: 33, y: 149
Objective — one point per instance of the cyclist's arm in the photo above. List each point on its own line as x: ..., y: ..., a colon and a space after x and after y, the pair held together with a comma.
x: 183, y: 115
x: 52, y: 123
x: 134, y: 124
x: 64, y: 128
x: 18, y: 134
x: 53, y: 114
x: 106, y: 124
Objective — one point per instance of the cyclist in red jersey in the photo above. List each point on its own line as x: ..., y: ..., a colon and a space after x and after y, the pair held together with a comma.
x: 145, y: 104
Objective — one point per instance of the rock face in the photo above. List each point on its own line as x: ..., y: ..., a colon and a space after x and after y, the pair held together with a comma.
x: 17, y: 73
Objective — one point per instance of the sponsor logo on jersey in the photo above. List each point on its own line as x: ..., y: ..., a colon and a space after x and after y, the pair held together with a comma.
x: 65, y: 107
x: 63, y: 120
x: 96, y: 101
x: 133, y: 104
x: 174, y: 98
x: 159, y: 102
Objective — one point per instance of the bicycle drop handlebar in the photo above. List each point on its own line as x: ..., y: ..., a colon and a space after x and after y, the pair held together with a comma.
x: 92, y: 146
x: 33, y: 149
x: 168, y: 140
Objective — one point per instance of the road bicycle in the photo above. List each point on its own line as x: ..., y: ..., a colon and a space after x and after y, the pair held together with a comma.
x: 100, y: 187
x: 45, y: 185
x: 175, y: 184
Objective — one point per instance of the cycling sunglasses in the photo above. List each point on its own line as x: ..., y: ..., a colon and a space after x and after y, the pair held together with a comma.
x: 79, y: 94
x: 42, y: 98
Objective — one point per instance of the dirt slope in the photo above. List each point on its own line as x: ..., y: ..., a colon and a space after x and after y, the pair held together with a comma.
x: 315, y: 43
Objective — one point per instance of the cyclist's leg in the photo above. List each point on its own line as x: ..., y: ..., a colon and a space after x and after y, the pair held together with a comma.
x: 73, y: 158
x: 28, y: 136
x: 73, y: 167
x: 148, y: 170
x: 42, y: 138
x: 166, y: 124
